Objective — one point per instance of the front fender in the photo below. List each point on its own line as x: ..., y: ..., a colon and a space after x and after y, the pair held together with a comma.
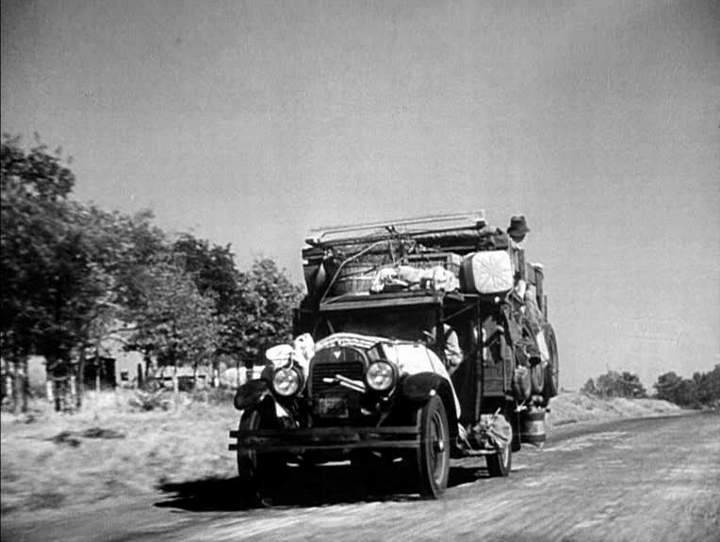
x: 418, y: 388
x: 251, y: 394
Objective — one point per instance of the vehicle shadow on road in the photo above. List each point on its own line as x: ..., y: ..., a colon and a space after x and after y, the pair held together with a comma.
x: 314, y: 486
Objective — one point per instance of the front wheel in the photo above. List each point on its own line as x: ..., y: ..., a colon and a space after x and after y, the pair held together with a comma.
x: 256, y: 471
x: 432, y: 455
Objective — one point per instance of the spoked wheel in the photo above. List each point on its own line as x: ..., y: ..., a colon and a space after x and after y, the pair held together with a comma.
x: 257, y: 471
x: 552, y: 371
x: 432, y: 456
x: 499, y: 464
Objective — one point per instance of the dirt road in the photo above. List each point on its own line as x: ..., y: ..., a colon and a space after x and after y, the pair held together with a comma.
x: 636, y: 480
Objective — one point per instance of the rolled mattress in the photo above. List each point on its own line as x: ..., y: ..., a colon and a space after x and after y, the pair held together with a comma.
x: 487, y: 272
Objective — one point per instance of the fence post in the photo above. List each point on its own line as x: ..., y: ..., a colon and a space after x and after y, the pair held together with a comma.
x: 73, y: 389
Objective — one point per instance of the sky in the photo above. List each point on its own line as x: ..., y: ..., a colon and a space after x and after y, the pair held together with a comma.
x: 251, y: 122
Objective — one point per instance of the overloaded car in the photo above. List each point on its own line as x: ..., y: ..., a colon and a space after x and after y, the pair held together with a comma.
x: 419, y: 341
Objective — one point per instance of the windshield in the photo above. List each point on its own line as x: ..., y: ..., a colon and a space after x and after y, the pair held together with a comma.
x: 397, y: 324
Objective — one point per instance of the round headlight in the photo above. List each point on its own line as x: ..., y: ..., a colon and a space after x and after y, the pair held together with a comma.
x: 286, y: 382
x: 380, y: 376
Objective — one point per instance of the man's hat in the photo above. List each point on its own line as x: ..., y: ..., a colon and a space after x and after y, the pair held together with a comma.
x: 518, y: 226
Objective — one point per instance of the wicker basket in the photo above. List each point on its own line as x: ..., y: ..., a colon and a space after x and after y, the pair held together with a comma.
x: 448, y: 260
x: 354, y: 278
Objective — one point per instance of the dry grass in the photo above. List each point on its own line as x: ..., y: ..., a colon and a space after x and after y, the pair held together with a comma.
x: 110, y: 448
x: 115, y: 447
x: 572, y: 407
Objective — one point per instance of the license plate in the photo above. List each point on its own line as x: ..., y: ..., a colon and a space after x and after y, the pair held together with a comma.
x: 335, y: 407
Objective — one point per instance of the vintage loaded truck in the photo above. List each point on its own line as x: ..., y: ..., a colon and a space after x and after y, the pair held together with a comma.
x: 419, y: 340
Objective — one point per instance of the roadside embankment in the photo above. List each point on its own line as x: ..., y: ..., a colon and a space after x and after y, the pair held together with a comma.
x: 573, y: 407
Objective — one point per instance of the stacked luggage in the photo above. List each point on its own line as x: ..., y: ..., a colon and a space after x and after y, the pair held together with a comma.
x: 474, y: 260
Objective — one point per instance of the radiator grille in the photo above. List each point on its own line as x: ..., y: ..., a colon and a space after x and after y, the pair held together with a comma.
x: 348, y: 369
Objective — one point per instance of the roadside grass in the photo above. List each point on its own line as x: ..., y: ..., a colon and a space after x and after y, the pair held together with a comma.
x: 573, y: 407
x: 111, y: 448
x: 125, y: 444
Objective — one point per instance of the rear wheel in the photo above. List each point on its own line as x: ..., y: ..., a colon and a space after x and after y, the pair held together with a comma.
x: 515, y: 443
x: 552, y: 371
x: 499, y: 464
x: 432, y: 456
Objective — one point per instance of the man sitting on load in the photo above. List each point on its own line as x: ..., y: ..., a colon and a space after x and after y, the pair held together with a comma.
x: 517, y: 231
x: 527, y: 295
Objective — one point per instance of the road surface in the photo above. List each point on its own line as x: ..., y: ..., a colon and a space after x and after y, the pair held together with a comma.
x: 634, y: 480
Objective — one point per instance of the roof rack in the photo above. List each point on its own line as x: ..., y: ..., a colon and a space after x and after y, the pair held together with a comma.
x: 439, y: 223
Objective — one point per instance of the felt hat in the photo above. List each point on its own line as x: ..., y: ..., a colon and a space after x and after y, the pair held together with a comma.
x: 518, y: 226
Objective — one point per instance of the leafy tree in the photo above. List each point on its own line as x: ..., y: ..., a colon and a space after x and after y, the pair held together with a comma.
x: 121, y: 247
x: 50, y: 282
x: 673, y: 388
x: 36, y: 175
x: 614, y: 384
x: 707, y: 386
x: 212, y: 268
x: 175, y: 322
x: 702, y: 389
x: 69, y: 270
x: 263, y: 313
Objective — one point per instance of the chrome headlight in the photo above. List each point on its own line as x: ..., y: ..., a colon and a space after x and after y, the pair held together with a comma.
x: 286, y: 382
x: 380, y: 376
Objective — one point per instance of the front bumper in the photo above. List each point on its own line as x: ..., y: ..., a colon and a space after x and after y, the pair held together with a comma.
x: 330, y: 439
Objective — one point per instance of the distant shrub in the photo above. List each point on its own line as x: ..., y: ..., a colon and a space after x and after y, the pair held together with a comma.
x: 703, y: 390
x: 614, y: 384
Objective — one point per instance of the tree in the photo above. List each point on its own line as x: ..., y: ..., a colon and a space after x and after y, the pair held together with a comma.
x: 707, y: 386
x: 72, y: 272
x: 675, y: 389
x: 211, y: 267
x: 614, y: 384
x: 120, y: 247
x: 69, y: 270
x: 263, y: 312
x: 36, y: 175
x: 213, y: 270
x: 175, y: 322
x: 50, y: 283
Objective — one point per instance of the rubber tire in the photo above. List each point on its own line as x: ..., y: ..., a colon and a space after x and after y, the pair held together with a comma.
x: 499, y: 464
x: 432, y: 455
x: 257, y: 473
x: 552, y: 370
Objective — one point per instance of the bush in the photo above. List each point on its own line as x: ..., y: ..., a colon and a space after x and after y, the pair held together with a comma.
x: 614, y: 384
x: 702, y: 390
